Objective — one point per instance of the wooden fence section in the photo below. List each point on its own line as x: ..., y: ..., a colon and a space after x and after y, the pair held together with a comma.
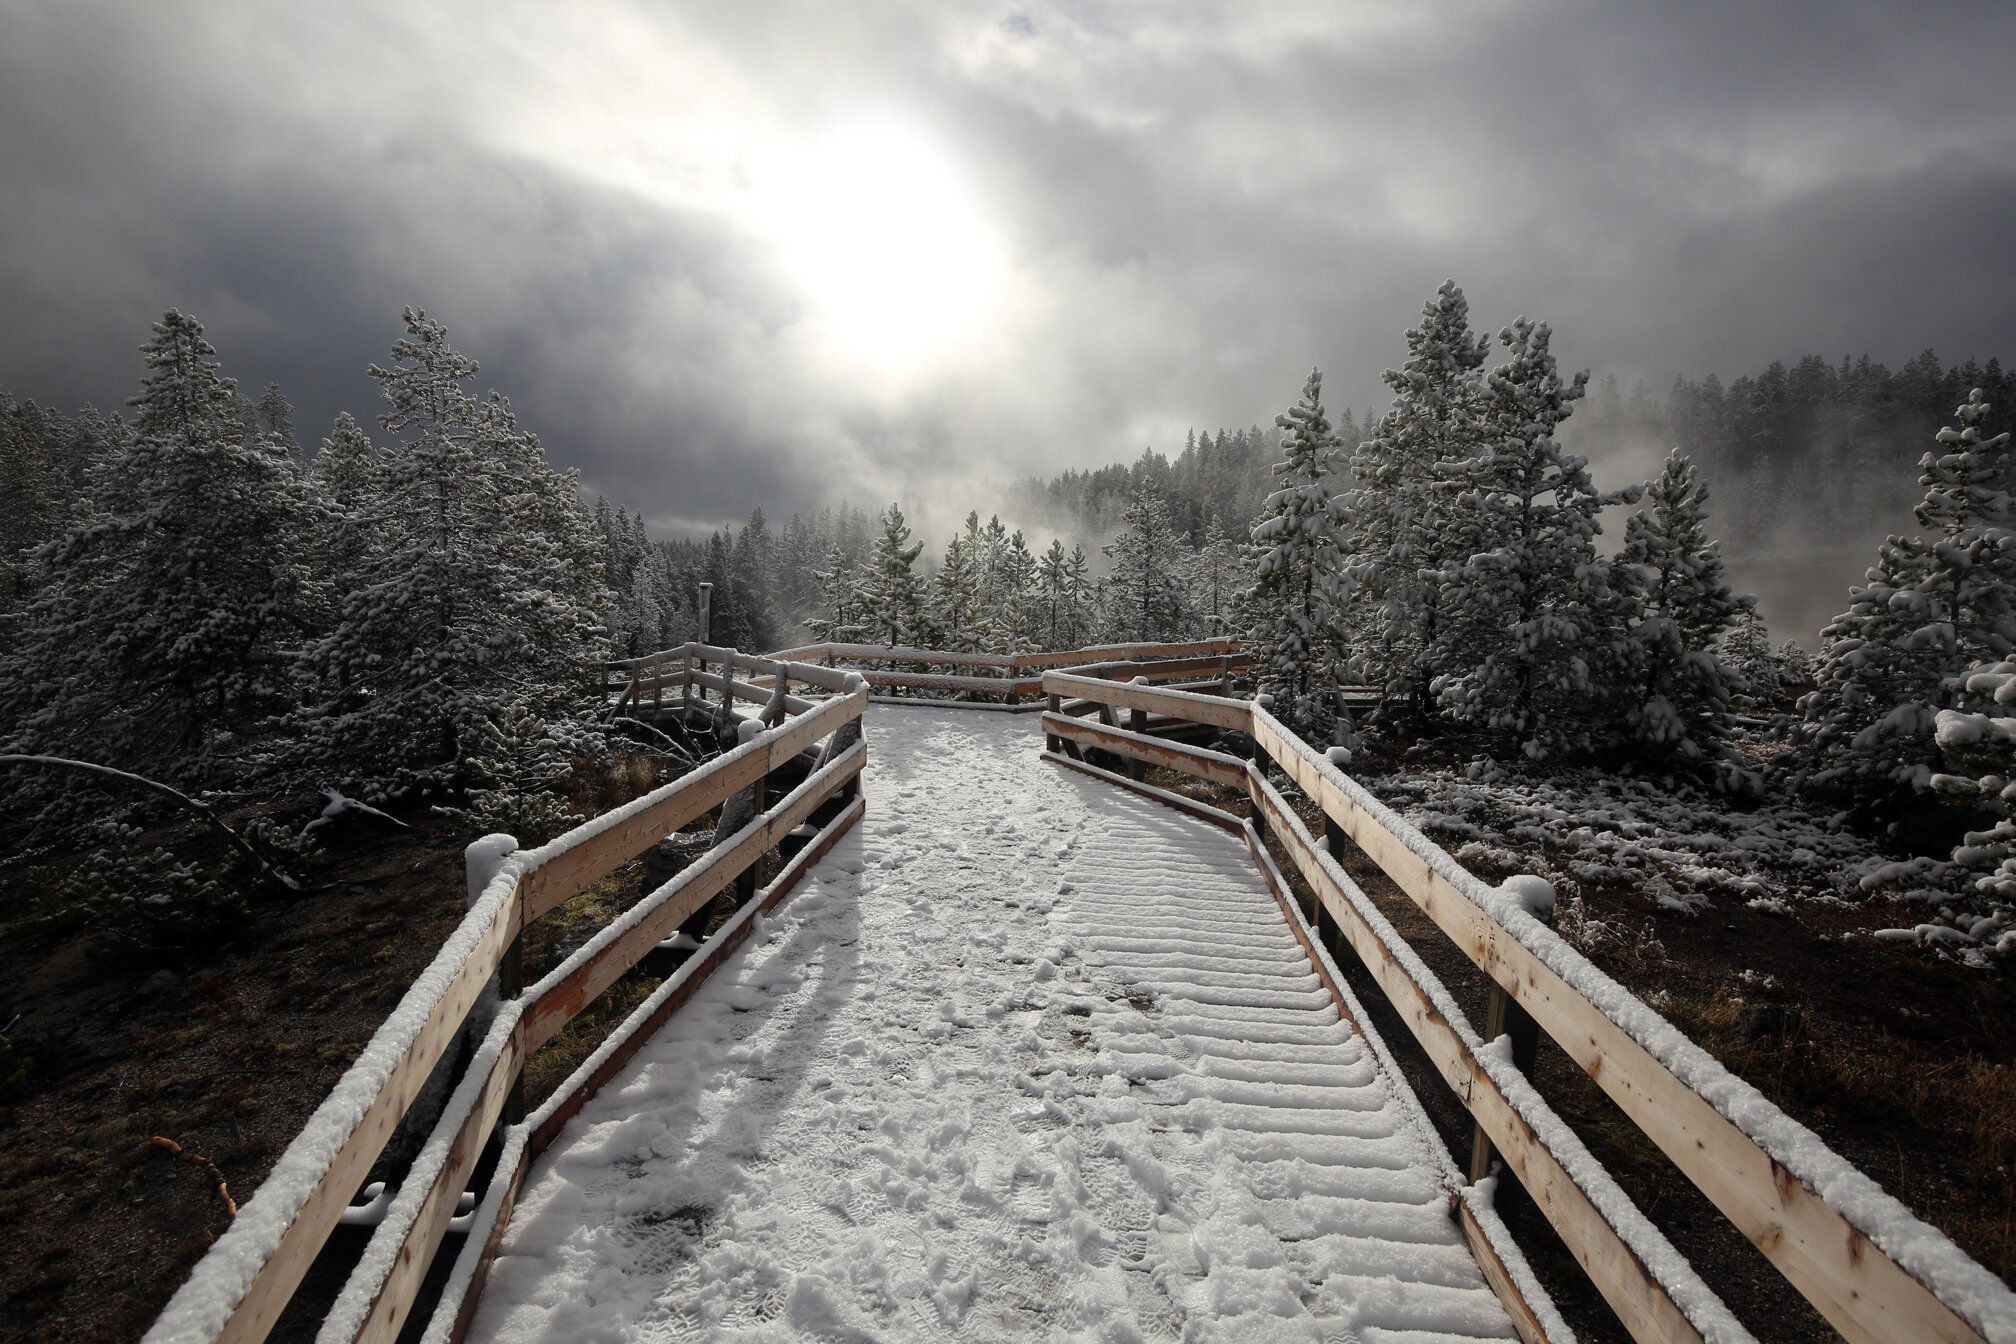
x: 1828, y: 1228
x: 243, y: 1283
x: 899, y: 668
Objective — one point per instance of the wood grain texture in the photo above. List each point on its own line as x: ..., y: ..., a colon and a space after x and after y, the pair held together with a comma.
x: 1863, y: 1293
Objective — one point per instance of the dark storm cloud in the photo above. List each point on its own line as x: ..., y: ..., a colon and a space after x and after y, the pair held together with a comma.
x: 1198, y: 203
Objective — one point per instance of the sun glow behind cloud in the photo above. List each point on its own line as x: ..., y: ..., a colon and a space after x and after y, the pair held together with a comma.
x: 887, y: 241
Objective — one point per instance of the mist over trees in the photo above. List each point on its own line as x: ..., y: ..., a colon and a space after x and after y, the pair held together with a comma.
x: 1804, y: 454
x: 187, y: 594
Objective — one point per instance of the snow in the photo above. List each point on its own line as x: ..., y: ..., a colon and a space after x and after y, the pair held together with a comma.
x: 944, y: 1090
x: 1922, y: 1250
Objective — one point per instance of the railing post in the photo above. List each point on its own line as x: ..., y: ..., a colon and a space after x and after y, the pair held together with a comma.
x: 1051, y: 742
x: 1505, y: 1017
x: 745, y: 882
x: 1225, y: 676
x: 1137, y: 721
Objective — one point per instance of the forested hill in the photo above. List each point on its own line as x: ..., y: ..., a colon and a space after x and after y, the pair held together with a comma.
x: 1809, y: 465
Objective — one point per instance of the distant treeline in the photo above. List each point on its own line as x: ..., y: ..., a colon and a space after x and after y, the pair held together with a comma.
x: 1811, y: 454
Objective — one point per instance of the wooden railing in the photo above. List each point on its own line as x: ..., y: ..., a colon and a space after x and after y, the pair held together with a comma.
x: 240, y: 1287
x: 999, y: 676
x: 1872, y: 1268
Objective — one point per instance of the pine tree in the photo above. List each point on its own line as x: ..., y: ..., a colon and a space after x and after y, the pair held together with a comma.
x: 1008, y: 597
x: 1146, y: 579
x: 839, y: 582
x: 276, y: 417
x: 34, y: 496
x: 1932, y: 607
x: 1686, y: 693
x: 1218, y: 570
x: 1402, y: 507
x: 1062, y: 601
x: 956, y: 590
x: 486, y: 592
x: 345, y: 478
x: 1295, y: 606
x: 1534, y: 638
x: 165, y: 631
x: 1746, y: 650
x: 891, y: 595
x: 1978, y: 744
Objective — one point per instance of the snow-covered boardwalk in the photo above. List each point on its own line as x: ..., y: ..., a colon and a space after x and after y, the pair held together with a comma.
x: 1030, y: 1058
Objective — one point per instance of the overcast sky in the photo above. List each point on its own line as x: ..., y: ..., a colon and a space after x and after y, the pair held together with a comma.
x: 723, y: 255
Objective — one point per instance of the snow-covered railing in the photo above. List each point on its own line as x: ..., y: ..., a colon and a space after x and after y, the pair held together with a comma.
x: 240, y: 1287
x: 1866, y: 1262
x: 684, y: 668
x: 999, y: 676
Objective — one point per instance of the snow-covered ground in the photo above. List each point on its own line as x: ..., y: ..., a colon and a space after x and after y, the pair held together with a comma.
x: 1675, y: 844
x: 1030, y: 1058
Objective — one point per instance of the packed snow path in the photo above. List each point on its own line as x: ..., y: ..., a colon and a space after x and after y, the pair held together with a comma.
x: 1029, y: 1058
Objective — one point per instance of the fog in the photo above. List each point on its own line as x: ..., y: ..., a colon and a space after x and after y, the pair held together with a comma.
x: 723, y: 257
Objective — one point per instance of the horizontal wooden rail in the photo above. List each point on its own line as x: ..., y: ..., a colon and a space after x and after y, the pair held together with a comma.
x: 809, y: 673
x: 1489, y: 1241
x: 1236, y: 715
x: 1018, y: 662
x: 1606, y: 1233
x: 384, y: 1284
x: 592, y: 852
x: 1873, y: 1269
x: 1118, y: 652
x: 238, y: 1290
x: 456, y: 1308
x: 754, y: 692
x: 599, y: 964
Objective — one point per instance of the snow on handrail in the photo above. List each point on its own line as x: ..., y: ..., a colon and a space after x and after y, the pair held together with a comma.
x: 1813, y: 1213
x: 238, y: 1290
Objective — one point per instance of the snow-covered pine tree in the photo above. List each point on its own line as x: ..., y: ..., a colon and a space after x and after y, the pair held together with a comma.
x: 487, y: 590
x: 1217, y: 578
x: 34, y: 498
x: 956, y: 590
x: 1401, y: 505
x: 1084, y: 606
x: 1978, y: 742
x: 890, y: 600
x: 344, y: 478
x: 276, y: 417
x: 1053, y: 585
x: 752, y: 575
x: 1145, y: 587
x: 1063, y: 598
x: 165, y: 632
x: 1008, y: 596
x: 634, y: 575
x: 839, y: 582
x: 1746, y: 649
x: 1294, y: 609
x: 1533, y: 640
x: 1685, y: 692
x: 1932, y: 607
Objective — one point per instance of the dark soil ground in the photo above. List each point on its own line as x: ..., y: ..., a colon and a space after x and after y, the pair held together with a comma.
x: 225, y: 1053
x: 1901, y: 1061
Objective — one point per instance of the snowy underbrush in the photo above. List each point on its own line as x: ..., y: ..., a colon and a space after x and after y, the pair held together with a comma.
x: 1678, y: 846
x: 1585, y: 829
